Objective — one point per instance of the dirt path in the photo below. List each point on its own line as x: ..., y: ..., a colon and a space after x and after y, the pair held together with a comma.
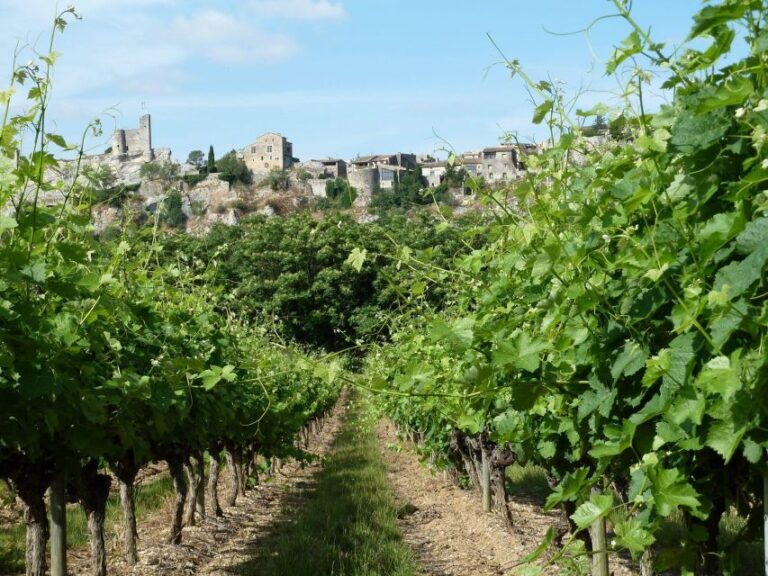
x: 217, y: 544
x: 448, y: 530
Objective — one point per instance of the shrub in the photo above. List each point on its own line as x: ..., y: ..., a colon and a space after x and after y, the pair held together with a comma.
x: 194, y: 179
x: 171, y: 212
x: 340, y: 193
x: 279, y: 180
x: 233, y: 169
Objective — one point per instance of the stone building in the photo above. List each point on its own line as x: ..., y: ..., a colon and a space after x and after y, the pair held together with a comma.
x: 471, y: 162
x: 434, y: 172
x: 270, y: 151
x: 386, y: 166
x: 134, y: 142
x: 332, y: 168
x: 400, y: 159
x: 500, y: 164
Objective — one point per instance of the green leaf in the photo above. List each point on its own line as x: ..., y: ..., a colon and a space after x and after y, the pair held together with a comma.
x: 541, y: 548
x: 724, y: 438
x: 7, y: 222
x: 356, y: 258
x: 529, y: 352
x: 753, y: 452
x: 670, y: 491
x: 36, y: 272
x: 753, y: 237
x: 572, y: 484
x: 722, y: 327
x: 739, y: 276
x: 694, y: 132
x: 681, y: 360
x: 58, y: 140
x: 717, y: 231
x: 542, y: 110
x: 631, y: 535
x: 598, y: 506
x: 630, y: 46
x: 630, y: 361
x: 716, y: 16
x: 680, y: 188
x: 719, y: 377
x: 657, y: 366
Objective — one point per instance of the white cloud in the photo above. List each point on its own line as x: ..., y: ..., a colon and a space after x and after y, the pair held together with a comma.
x: 300, y: 9
x: 222, y: 38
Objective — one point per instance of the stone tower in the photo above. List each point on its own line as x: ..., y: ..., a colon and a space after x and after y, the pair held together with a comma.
x: 137, y: 142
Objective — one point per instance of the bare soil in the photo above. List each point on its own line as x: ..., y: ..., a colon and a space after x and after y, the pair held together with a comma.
x: 216, y: 546
x: 446, y: 526
x: 448, y: 530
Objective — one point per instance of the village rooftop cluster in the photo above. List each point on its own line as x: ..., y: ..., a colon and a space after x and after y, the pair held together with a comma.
x: 273, y: 151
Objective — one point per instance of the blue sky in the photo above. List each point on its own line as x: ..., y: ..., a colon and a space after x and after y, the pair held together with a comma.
x: 337, y: 77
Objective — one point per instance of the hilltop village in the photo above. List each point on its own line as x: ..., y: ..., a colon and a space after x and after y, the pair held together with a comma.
x: 265, y: 177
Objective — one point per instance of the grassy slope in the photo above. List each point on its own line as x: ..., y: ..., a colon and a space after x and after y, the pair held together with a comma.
x: 348, y: 526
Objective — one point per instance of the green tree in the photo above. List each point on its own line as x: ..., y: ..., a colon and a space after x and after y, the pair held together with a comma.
x: 279, y: 179
x: 340, y: 193
x: 196, y: 158
x: 233, y: 169
x: 166, y: 172
x: 211, y: 160
x: 171, y: 212
x: 409, y: 188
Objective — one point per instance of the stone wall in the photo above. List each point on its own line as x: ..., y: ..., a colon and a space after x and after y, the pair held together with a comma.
x: 364, y: 180
x: 316, y: 187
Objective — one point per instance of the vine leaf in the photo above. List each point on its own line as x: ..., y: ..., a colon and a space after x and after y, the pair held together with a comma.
x: 598, y: 506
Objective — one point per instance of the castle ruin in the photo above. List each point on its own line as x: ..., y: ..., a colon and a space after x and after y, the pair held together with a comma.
x: 136, y: 142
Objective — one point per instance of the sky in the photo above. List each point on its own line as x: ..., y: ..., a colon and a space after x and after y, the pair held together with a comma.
x: 338, y: 78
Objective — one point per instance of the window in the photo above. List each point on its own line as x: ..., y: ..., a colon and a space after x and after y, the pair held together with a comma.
x: 269, y: 149
x: 266, y: 164
x: 253, y: 149
x: 387, y: 175
x: 504, y: 176
x: 490, y: 154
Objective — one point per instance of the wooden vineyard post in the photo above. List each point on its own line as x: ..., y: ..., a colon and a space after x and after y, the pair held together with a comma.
x: 599, y: 548
x: 485, y: 479
x: 58, y: 526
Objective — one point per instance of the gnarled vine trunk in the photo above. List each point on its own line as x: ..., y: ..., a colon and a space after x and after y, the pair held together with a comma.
x: 126, y: 472
x: 93, y: 492
x: 234, y: 462
x: 30, y: 481
x: 213, y: 481
x: 196, y: 499
x: 36, y: 519
x: 176, y: 468
x: 501, y: 458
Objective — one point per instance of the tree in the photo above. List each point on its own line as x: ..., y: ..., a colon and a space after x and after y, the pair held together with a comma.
x: 211, y: 160
x: 166, y: 172
x: 600, y: 125
x: 279, y: 179
x: 196, y: 158
x: 171, y: 212
x: 340, y: 193
x: 233, y: 169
